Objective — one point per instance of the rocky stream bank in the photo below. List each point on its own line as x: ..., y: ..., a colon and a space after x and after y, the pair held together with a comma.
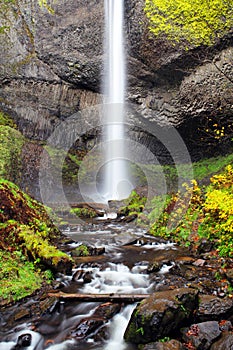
x: 190, y: 305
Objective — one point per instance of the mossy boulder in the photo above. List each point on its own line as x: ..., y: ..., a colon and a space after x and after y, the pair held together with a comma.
x: 161, y: 315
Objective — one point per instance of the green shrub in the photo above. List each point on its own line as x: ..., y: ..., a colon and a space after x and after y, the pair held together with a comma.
x: 199, y: 213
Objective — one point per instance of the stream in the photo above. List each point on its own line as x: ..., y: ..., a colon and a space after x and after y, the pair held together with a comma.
x: 121, y: 269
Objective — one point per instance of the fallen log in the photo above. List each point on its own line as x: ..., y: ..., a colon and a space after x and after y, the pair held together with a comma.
x: 123, y: 298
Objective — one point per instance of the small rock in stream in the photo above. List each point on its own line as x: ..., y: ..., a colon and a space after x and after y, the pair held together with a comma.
x: 24, y: 340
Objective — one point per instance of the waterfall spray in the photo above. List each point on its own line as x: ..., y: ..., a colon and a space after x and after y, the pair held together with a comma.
x: 115, y: 171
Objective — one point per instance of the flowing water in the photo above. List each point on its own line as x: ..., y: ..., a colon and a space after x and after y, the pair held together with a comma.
x: 116, y: 177
x: 122, y: 269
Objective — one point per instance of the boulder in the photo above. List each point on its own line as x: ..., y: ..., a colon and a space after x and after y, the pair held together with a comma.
x: 167, y: 345
x: 224, y: 343
x: 213, y: 308
x: 161, y: 315
x: 202, y: 335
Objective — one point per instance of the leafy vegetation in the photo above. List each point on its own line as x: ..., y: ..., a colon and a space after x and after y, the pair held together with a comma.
x: 133, y: 205
x: 19, y: 277
x: 203, y: 211
x: 195, y: 22
x: 209, y: 214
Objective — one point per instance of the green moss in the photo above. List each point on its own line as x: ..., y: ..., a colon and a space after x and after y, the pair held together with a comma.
x: 6, y: 120
x: 10, y: 150
x: 82, y: 250
x: 19, y: 278
x: 186, y: 21
x: 84, y: 212
x: 133, y: 205
x: 35, y: 244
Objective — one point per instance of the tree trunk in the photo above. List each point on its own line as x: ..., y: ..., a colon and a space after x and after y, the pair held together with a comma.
x: 125, y: 298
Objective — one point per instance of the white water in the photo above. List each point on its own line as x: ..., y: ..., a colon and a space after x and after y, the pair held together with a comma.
x: 116, y: 180
x: 118, y: 278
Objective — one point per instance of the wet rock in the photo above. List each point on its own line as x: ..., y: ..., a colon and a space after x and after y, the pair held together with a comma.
x: 225, y: 325
x: 23, y: 341
x: 187, y: 271
x: 62, y: 264
x: 213, y: 308
x: 107, y: 310
x: 202, y: 335
x: 21, y: 313
x: 78, y: 275
x: 199, y: 262
x: 129, y: 218
x: 162, y: 314
x: 48, y: 304
x: 88, y: 277
x: 224, y: 343
x: 205, y: 246
x: 229, y: 275
x: 154, y: 267
x: 86, y: 250
x: 116, y: 204
x: 87, y: 327
x: 168, y: 345
x: 97, y: 250
x: 94, y: 324
x: 82, y: 276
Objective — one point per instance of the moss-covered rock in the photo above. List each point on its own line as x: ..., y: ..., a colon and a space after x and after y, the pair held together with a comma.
x: 161, y: 315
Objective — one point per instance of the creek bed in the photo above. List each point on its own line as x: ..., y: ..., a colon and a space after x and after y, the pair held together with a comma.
x: 121, y: 269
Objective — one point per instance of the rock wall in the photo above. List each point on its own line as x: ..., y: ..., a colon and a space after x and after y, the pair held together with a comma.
x: 51, y: 67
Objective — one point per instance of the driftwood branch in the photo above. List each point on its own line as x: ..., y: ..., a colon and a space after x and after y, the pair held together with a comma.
x: 126, y: 298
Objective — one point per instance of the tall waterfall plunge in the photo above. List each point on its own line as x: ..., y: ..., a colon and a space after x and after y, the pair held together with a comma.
x: 115, y: 170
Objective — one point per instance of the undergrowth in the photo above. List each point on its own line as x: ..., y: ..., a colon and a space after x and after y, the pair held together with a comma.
x: 208, y: 214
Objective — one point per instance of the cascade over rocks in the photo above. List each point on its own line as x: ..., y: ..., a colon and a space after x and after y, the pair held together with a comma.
x: 51, y: 67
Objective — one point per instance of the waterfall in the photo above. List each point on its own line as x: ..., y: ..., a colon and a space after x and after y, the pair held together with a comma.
x: 116, y: 179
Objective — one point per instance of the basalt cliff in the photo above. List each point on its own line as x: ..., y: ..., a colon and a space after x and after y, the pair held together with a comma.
x: 52, y: 68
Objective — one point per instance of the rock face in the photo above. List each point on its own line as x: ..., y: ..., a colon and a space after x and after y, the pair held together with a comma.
x: 51, y: 67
